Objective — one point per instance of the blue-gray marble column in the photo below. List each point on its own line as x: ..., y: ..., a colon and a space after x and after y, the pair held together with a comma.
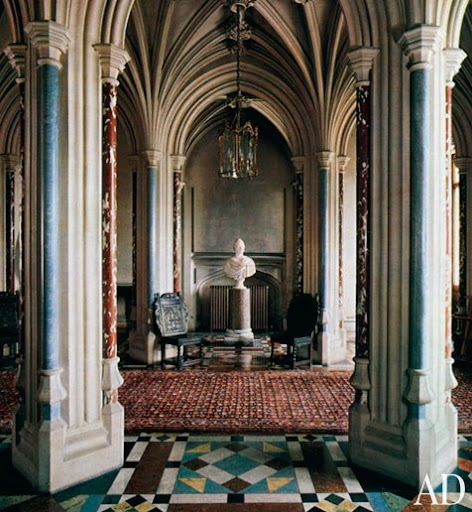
x: 50, y: 41
x: 48, y: 119
x: 324, y: 162
x: 419, y: 44
x: 152, y: 158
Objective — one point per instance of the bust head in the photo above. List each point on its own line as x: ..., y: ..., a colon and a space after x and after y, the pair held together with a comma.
x: 238, y: 247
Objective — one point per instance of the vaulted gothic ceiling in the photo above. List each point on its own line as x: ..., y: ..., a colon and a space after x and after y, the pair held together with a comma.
x: 181, y: 69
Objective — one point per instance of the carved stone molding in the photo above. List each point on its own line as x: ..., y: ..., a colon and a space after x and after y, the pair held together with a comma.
x: 420, y: 44
x: 324, y: 159
x: 50, y: 39
x: 152, y: 157
x: 16, y: 55
x: 453, y: 58
x: 112, y: 61
x: 299, y: 163
x: 361, y: 61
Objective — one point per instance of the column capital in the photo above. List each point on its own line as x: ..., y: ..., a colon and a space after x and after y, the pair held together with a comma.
x: 343, y: 160
x: 419, y: 45
x: 10, y: 162
x: 464, y: 163
x: 299, y: 163
x: 177, y: 162
x: 361, y: 61
x: 453, y: 58
x: 50, y: 39
x: 112, y: 60
x: 152, y: 157
x: 134, y: 161
x: 16, y: 55
x: 324, y: 159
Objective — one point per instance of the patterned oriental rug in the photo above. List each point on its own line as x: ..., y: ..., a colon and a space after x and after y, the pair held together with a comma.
x: 259, y: 402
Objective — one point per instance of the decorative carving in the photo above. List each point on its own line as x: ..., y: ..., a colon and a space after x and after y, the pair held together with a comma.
x: 420, y: 44
x: 112, y: 61
x: 50, y: 39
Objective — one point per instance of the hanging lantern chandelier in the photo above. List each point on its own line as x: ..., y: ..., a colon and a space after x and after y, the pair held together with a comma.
x: 238, y: 140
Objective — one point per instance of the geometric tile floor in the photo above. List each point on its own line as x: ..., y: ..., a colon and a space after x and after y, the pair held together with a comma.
x: 231, y: 473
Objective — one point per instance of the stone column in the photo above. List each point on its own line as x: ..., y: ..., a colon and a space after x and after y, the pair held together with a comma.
x: 16, y: 54
x: 342, y: 163
x: 134, y: 160
x: 298, y: 163
x: 453, y: 58
x: 177, y: 162
x: 425, y: 456
x: 10, y: 229
x: 112, y: 62
x: 465, y: 191
x: 361, y: 62
x: 152, y: 158
x: 51, y: 41
x: 143, y: 340
x: 331, y: 347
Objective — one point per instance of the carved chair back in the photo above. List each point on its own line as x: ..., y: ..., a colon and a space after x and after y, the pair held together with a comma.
x: 170, y: 314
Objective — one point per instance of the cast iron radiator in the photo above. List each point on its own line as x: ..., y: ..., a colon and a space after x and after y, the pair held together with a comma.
x: 219, y: 307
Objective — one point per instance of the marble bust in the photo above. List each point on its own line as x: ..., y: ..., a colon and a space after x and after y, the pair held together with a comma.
x: 238, y: 267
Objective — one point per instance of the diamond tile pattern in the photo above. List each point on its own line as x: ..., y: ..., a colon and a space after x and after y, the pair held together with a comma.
x: 286, y: 473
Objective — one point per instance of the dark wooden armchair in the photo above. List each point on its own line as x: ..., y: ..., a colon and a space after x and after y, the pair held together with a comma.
x: 171, y: 319
x: 302, y: 325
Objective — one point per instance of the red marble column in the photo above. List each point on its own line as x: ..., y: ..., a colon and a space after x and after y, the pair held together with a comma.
x: 462, y: 299
x: 178, y: 186
x: 21, y: 124
x: 298, y: 162
x: 10, y: 229
x: 299, y: 233
x: 135, y: 234
x: 109, y: 221
x: 342, y: 162
x: 363, y: 114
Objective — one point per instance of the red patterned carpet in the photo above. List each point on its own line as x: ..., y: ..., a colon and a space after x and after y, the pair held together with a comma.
x: 263, y: 401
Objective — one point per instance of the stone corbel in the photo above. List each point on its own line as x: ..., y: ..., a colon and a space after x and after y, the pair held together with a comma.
x: 342, y: 162
x: 10, y: 162
x: 418, y: 390
x: 325, y: 159
x: 16, y: 55
x: 361, y: 61
x: 464, y: 163
x: 50, y: 39
x: 360, y: 379
x: 111, y: 378
x: 453, y: 58
x: 152, y: 157
x: 420, y: 44
x: 112, y: 61
x: 51, y: 390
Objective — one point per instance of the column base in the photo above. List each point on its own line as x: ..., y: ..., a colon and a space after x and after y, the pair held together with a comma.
x: 144, y: 347
x: 53, y: 457
x: 331, y: 349
x: 241, y: 334
x: 406, y: 454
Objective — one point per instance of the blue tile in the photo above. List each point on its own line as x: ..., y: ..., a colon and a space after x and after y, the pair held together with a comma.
x: 236, y: 464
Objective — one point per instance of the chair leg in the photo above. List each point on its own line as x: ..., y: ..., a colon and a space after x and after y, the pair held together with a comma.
x: 293, y: 356
x: 163, y: 355
x: 201, y: 353
x: 271, y: 359
x: 179, y: 357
